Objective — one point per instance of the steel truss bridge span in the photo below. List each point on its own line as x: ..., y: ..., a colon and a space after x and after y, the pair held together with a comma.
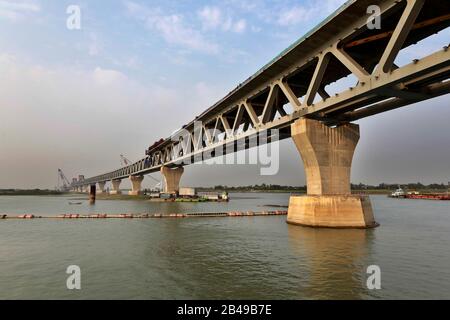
x: 294, y: 84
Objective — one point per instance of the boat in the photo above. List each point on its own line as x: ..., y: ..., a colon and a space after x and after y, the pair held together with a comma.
x: 75, y: 203
x: 399, y: 193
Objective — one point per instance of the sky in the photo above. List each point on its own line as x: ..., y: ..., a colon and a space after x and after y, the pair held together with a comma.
x: 137, y: 70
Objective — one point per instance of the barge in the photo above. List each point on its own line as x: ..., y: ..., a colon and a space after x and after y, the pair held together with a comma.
x: 436, y: 196
x: 400, y: 193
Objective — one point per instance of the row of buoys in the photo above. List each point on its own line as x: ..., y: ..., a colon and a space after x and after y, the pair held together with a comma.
x: 251, y: 213
x: 69, y: 216
x: 147, y: 216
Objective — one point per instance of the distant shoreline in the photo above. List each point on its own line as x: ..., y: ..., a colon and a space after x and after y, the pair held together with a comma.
x: 39, y: 192
x: 34, y: 192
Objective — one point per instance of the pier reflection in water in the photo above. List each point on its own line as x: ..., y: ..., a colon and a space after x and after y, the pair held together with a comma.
x: 334, y: 261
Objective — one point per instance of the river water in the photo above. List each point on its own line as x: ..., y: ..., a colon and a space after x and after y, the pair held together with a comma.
x: 221, y: 258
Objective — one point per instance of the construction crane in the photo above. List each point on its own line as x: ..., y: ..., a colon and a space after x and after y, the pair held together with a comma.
x: 124, y: 161
x: 63, y: 182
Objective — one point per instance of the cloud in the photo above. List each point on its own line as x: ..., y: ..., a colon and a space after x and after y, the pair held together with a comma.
x: 15, y: 10
x: 310, y: 11
x: 82, y: 118
x: 295, y: 15
x: 130, y: 62
x: 240, y: 26
x: 171, y: 27
x: 213, y: 18
x: 107, y: 77
x: 285, y: 12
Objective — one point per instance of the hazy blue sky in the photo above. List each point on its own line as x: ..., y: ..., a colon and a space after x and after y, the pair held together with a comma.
x: 138, y: 70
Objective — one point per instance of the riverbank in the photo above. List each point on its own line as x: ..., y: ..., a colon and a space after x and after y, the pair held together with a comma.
x: 34, y: 192
x: 125, y: 196
x: 301, y: 191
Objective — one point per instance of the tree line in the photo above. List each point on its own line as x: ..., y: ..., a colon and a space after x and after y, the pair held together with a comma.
x: 360, y: 186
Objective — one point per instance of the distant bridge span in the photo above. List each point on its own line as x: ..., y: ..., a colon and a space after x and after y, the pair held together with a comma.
x: 290, y: 94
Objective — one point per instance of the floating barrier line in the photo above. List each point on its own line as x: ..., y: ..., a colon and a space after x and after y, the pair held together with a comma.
x: 146, y: 215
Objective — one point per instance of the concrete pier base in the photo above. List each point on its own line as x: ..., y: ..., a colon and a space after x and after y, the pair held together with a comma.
x: 136, y: 182
x: 331, y: 211
x: 327, y: 155
x: 115, y: 187
x: 172, y: 179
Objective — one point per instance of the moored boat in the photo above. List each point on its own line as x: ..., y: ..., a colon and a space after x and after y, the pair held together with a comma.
x: 399, y: 193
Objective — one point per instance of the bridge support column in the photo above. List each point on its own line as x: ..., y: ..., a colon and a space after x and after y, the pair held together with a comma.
x: 136, y: 182
x: 327, y: 155
x: 101, y: 187
x: 172, y: 179
x: 92, y: 193
x: 115, y: 187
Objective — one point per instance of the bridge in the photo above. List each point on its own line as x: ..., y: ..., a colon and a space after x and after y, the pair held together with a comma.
x: 289, y: 98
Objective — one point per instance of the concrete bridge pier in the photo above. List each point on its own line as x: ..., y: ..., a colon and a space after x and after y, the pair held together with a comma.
x: 115, y: 187
x: 136, y: 182
x: 327, y: 155
x: 172, y: 179
x: 101, y: 187
x: 92, y: 193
